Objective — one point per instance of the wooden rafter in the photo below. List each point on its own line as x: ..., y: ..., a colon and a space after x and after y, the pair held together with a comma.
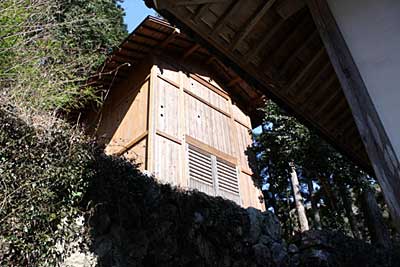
x: 176, y: 3
x: 234, y: 81
x: 320, y: 92
x: 339, y: 108
x: 199, y: 13
x: 267, y: 61
x: 327, y: 101
x: 297, y: 52
x: 232, y: 8
x: 288, y: 8
x: 162, y: 44
x: 129, y: 53
x: 190, y: 51
x: 122, y: 59
x: 242, y: 34
x: 303, y: 23
x: 169, y: 39
x: 253, y: 51
x: 304, y: 70
x: 210, y: 60
x: 313, y: 83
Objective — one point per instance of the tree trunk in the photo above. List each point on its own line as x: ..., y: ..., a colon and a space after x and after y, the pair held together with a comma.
x: 327, y: 188
x: 298, y: 200
x: 347, y: 203
x: 373, y: 217
x: 314, y: 206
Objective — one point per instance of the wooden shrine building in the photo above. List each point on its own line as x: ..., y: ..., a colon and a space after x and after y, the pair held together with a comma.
x: 335, y: 64
x: 179, y: 112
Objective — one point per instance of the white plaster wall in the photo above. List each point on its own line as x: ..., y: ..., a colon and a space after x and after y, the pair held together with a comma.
x: 371, y: 29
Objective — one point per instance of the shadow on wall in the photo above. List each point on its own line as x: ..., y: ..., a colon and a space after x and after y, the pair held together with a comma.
x: 134, y: 221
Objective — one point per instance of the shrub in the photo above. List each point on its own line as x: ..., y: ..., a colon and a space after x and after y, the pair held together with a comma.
x: 44, y: 174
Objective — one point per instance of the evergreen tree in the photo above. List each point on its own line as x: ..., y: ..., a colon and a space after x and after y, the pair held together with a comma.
x: 50, y: 48
x: 328, y: 183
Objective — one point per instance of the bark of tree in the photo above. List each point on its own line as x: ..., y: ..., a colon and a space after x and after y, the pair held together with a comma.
x: 314, y: 206
x: 298, y: 200
x: 347, y: 203
x: 373, y: 217
x: 326, y: 187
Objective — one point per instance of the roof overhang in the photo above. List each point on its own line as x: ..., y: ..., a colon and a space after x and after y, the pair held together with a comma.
x: 155, y: 37
x: 274, y: 46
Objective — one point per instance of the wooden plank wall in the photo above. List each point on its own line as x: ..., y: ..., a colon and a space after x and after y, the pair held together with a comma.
x: 123, y: 121
x: 194, y: 109
x: 132, y: 122
x: 152, y: 117
x: 168, y: 156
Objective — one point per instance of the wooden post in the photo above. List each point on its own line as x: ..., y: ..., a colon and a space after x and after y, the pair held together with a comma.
x: 184, y: 180
x: 151, y: 118
x: 379, y: 148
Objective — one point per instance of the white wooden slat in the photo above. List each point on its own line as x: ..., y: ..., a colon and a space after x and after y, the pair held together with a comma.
x: 203, y: 168
x: 200, y: 171
x: 199, y: 156
x: 228, y: 183
x: 227, y: 172
x: 202, y: 175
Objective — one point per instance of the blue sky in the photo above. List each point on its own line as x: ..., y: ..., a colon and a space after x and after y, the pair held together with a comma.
x: 135, y: 12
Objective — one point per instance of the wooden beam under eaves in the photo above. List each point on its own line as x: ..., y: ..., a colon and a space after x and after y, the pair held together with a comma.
x: 304, y: 92
x: 166, y: 4
x: 338, y: 111
x: 166, y: 41
x: 288, y: 8
x: 267, y: 58
x: 242, y: 34
x: 304, y: 70
x: 169, y: 39
x: 190, y: 51
x: 234, y: 81
x: 297, y: 52
x: 197, y: 2
x: 296, y: 30
x: 253, y: 51
x: 199, y: 13
x: 327, y: 101
x: 232, y: 8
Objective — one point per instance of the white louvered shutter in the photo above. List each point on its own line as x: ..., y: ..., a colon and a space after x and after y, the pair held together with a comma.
x: 201, y: 171
x: 227, y: 181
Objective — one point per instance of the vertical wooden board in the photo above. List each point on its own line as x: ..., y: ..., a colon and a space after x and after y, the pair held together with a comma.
x: 239, y: 115
x: 244, y: 141
x: 250, y: 193
x: 137, y: 154
x: 167, y: 109
x: 208, y: 125
x: 207, y: 94
x: 150, y: 155
x: 167, y: 158
x: 166, y: 71
x: 244, y: 190
x: 184, y: 181
x: 127, y: 118
x: 212, y: 82
x: 107, y: 121
x: 223, y: 130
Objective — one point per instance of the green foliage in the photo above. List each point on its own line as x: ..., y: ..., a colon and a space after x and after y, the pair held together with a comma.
x: 44, y: 174
x: 50, y: 48
x: 335, y: 179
